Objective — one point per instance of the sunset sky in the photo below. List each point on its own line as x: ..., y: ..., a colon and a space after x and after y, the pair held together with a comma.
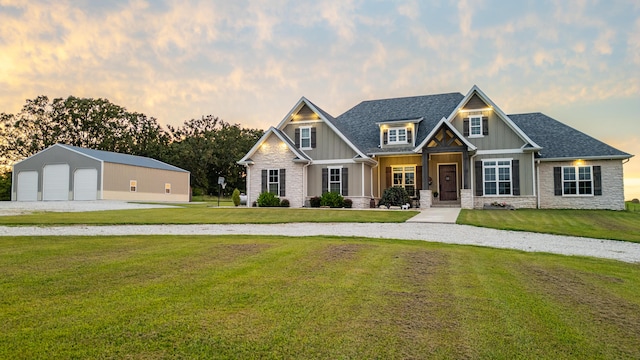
x: 249, y: 62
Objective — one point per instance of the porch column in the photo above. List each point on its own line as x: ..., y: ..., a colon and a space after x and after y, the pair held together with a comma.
x: 465, y: 169
x: 425, y: 170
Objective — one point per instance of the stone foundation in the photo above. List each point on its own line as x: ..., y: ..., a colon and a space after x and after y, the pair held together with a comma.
x: 466, y: 199
x: 518, y: 202
x: 426, y: 199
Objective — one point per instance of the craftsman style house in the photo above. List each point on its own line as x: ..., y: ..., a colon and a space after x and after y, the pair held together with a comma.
x: 443, y: 149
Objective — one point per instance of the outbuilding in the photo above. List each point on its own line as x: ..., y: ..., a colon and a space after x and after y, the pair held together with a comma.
x: 64, y: 172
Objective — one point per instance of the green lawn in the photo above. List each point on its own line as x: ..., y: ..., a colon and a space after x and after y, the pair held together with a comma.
x: 600, y: 224
x: 200, y: 214
x: 328, y: 298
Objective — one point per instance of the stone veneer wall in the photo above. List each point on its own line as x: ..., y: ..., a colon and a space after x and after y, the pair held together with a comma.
x: 426, y: 199
x: 274, y: 154
x: 466, y: 199
x: 612, y: 188
x: 518, y: 202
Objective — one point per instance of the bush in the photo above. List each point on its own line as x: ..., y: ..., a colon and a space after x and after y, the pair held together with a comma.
x: 332, y: 200
x: 314, y: 202
x: 235, y: 197
x: 348, y: 203
x: 5, y: 186
x: 284, y: 203
x: 267, y: 199
x: 197, y: 192
x: 394, y: 196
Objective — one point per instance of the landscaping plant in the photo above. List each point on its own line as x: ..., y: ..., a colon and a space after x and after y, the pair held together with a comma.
x: 394, y: 196
x: 267, y: 199
x: 332, y: 200
x: 235, y: 197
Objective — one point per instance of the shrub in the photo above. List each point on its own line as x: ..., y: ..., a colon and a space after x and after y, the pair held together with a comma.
x: 197, y: 191
x: 267, y: 199
x: 394, y: 196
x: 235, y: 197
x: 348, y: 203
x: 314, y: 202
x: 284, y: 203
x: 332, y: 199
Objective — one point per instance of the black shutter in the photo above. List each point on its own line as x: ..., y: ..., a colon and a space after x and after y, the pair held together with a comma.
x: 283, y: 182
x: 485, y: 125
x: 325, y: 180
x: 557, y: 181
x: 345, y: 182
x: 515, y: 176
x: 597, y: 181
x: 465, y: 126
x: 418, y: 179
x: 264, y: 180
x: 409, y: 136
x: 479, y: 182
x: 385, y: 137
x: 313, y: 138
x: 297, y: 138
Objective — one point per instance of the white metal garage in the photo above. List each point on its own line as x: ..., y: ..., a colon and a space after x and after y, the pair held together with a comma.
x: 85, y: 184
x: 28, y: 186
x: 55, y: 182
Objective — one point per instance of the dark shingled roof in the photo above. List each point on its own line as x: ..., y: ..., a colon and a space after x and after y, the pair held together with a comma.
x: 562, y: 141
x: 359, y: 123
x: 125, y: 159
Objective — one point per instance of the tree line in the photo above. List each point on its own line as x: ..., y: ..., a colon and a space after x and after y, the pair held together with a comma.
x: 208, y: 147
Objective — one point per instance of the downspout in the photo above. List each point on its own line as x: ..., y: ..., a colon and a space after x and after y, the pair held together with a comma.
x: 371, y: 187
x: 248, y: 184
x: 538, y: 184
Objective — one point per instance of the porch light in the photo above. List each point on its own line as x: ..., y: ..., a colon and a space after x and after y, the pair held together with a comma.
x: 472, y: 110
x: 579, y: 162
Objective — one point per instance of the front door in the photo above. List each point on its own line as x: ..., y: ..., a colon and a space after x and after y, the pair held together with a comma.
x: 448, y: 185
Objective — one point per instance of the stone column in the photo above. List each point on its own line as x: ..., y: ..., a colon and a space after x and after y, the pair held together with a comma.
x: 425, y: 199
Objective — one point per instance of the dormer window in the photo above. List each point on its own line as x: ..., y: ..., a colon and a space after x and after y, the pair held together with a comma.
x: 397, y: 135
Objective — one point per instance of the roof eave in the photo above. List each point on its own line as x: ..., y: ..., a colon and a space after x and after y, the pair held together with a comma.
x: 597, y: 157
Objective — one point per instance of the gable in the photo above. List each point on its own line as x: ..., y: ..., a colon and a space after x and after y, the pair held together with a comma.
x: 474, y: 103
x: 305, y: 113
x: 328, y: 144
x: 499, y: 134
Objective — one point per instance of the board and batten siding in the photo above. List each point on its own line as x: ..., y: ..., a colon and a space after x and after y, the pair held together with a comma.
x: 329, y: 145
x: 150, y: 183
x: 526, y: 170
x: 500, y: 135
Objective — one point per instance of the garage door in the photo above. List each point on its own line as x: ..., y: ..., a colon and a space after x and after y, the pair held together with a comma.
x: 28, y: 186
x: 85, y: 184
x: 55, y: 182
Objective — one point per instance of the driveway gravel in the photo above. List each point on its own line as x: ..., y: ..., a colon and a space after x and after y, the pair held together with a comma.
x: 443, y: 233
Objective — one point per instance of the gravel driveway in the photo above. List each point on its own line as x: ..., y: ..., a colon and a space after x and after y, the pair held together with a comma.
x: 444, y: 233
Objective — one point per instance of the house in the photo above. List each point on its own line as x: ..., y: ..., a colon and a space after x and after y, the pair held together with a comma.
x: 446, y: 149
x: 64, y: 172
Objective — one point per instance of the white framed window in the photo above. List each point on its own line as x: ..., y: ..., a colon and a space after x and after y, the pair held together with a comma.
x: 404, y: 176
x: 475, y: 125
x: 497, y: 177
x: 167, y: 188
x: 577, y: 180
x: 305, y: 138
x: 397, y: 136
x: 133, y: 186
x: 335, y: 179
x: 273, y: 181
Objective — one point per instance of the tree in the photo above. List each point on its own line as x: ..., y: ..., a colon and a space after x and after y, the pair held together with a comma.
x: 209, y: 148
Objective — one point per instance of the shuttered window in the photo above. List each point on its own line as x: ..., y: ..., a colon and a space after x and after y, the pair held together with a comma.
x: 577, y: 180
x: 497, y: 177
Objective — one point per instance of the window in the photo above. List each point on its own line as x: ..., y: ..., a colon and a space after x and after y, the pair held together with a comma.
x: 273, y: 184
x: 475, y: 125
x: 577, y: 180
x: 335, y: 180
x: 497, y: 177
x: 405, y: 176
x: 305, y: 138
x: 397, y: 136
x: 133, y: 185
x: 167, y: 188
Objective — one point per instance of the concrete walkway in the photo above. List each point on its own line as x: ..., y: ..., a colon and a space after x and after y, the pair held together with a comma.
x: 436, y: 215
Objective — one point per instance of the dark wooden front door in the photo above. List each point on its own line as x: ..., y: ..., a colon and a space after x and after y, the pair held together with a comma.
x: 448, y: 183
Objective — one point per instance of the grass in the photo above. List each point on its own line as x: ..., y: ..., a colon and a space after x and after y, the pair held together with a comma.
x: 274, y: 297
x: 201, y: 214
x: 599, y: 224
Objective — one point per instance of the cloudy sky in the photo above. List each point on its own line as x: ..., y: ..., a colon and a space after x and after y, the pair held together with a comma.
x: 249, y: 62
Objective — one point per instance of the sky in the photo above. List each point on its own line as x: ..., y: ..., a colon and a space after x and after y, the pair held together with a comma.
x: 249, y: 62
